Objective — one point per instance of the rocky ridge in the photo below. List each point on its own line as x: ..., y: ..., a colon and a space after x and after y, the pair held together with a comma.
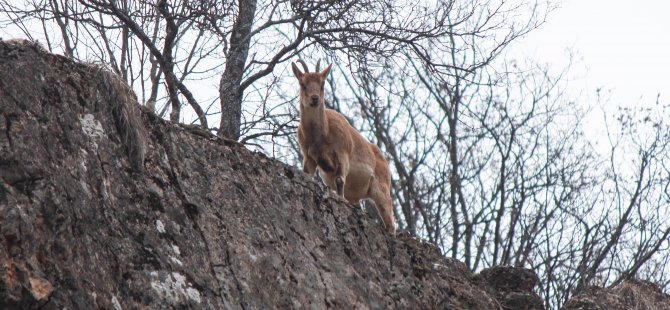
x: 104, y: 205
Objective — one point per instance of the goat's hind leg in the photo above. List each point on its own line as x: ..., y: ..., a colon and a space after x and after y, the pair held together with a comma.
x: 381, y: 195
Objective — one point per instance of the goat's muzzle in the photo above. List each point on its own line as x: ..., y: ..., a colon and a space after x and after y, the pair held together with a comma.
x: 315, y: 101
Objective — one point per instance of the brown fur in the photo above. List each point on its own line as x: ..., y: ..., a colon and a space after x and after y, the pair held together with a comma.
x: 347, y: 162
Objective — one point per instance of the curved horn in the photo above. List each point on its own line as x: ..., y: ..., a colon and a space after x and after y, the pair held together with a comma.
x: 318, y: 64
x: 303, y: 65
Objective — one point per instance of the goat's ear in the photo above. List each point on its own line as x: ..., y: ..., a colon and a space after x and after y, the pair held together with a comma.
x: 296, y: 71
x: 325, y: 72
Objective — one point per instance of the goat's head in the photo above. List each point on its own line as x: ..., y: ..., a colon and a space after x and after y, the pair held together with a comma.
x: 311, y: 84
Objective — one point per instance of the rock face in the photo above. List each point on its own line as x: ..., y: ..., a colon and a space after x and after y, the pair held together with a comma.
x: 630, y: 294
x: 106, y: 206
x: 512, y: 287
x: 103, y: 205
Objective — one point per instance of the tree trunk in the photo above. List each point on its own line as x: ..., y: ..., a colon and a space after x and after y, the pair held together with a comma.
x: 229, y: 89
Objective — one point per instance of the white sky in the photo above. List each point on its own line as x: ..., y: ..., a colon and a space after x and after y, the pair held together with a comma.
x: 620, y: 45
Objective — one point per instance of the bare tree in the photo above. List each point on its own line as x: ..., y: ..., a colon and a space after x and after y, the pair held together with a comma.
x: 169, y: 37
x: 361, y: 30
x: 137, y: 39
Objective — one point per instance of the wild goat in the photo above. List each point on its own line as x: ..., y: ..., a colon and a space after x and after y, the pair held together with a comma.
x: 347, y: 162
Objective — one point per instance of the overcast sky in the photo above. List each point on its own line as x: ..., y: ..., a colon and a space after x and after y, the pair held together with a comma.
x: 623, y: 46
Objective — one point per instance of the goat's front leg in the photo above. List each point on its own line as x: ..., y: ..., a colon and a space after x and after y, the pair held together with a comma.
x: 309, y: 166
x: 339, y: 182
x: 341, y: 174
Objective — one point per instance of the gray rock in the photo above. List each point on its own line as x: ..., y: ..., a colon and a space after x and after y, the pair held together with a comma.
x: 103, y: 205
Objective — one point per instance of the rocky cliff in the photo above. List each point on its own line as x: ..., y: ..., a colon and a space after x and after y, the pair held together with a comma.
x: 630, y: 294
x: 104, y: 205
